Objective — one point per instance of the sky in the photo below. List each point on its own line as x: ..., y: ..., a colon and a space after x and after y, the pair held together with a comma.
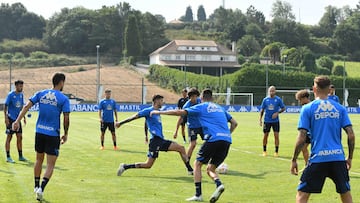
x: 306, y: 11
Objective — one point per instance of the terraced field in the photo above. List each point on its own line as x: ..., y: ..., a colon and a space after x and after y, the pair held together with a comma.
x: 125, y: 83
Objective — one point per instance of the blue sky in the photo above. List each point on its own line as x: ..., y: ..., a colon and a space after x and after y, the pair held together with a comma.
x: 306, y: 11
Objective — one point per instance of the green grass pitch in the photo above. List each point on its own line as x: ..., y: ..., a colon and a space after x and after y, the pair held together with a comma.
x: 84, y: 173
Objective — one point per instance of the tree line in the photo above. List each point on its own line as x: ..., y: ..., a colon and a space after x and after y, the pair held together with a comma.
x: 128, y: 33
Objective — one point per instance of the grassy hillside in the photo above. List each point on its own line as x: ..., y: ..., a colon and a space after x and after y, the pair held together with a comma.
x: 352, y: 68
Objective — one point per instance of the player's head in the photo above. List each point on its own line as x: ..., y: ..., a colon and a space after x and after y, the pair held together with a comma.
x: 272, y: 91
x: 193, y: 94
x: 158, y: 101
x: 206, y: 95
x: 107, y: 93
x: 321, y: 85
x: 184, y: 92
x: 332, y: 89
x: 19, y: 84
x: 302, y: 96
x: 58, y: 81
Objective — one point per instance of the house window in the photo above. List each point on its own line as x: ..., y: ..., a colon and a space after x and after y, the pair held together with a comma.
x: 178, y: 57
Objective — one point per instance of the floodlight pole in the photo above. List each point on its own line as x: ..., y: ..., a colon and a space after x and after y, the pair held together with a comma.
x: 10, y: 71
x: 344, y: 83
x: 97, y: 73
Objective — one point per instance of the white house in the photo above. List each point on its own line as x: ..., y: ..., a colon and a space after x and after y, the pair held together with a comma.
x: 198, y: 56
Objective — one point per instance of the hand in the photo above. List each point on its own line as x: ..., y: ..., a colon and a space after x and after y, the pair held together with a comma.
x: 24, y: 121
x: 348, y: 163
x: 117, y: 125
x: 63, y: 139
x: 15, y: 126
x: 175, y: 135
x: 146, y: 140
x: 294, y: 168
x: 275, y: 115
x: 7, y: 122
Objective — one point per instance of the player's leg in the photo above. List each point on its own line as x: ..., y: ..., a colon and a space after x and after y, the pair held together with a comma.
x: 266, y: 130
x: 340, y: 176
x: 302, y: 197
x: 112, y: 130
x: 192, y: 137
x: 173, y: 146
x: 346, y: 197
x: 19, y: 145
x: 276, y: 129
x: 103, y: 127
x: 7, y: 148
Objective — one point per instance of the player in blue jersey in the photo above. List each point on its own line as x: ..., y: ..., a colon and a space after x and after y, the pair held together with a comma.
x: 193, y: 123
x: 217, y: 135
x: 272, y: 105
x: 182, y: 119
x: 52, y: 102
x: 14, y: 102
x: 157, y: 141
x: 303, y: 97
x: 107, y: 109
x: 324, y: 119
x: 332, y: 95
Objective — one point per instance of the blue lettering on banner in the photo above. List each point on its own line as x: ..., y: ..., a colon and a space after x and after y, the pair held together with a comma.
x: 124, y: 107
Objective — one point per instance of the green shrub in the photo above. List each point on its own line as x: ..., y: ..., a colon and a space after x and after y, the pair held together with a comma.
x: 39, y: 55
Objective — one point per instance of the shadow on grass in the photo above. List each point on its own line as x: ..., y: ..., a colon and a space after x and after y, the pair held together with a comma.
x: 133, y: 152
x: 246, y: 175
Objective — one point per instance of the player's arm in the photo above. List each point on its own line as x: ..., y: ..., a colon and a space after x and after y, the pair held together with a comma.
x: 178, y: 123
x: 100, y: 115
x: 5, y: 115
x: 66, y: 123
x: 301, y: 139
x: 135, y: 116
x: 261, y: 115
x: 116, y: 115
x: 15, y: 125
x: 146, y: 128
x: 233, y: 124
x: 178, y: 112
x: 351, y: 144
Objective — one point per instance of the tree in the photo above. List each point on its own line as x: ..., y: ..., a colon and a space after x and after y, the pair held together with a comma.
x: 201, y: 15
x: 248, y: 45
x: 273, y: 50
x: 339, y: 70
x: 17, y: 23
x: 328, y: 21
x: 188, y: 15
x: 309, y: 63
x: 326, y: 62
x: 133, y: 46
x: 347, y: 35
x: 255, y: 16
x: 282, y: 10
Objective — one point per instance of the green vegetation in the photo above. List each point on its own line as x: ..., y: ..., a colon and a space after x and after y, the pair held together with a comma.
x: 83, y: 173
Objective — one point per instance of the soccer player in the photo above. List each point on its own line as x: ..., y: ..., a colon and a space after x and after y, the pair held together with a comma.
x: 52, y: 102
x: 182, y: 119
x: 157, y: 141
x: 14, y: 102
x: 194, y: 125
x: 324, y: 118
x: 303, y: 97
x: 214, y: 121
x: 107, y: 109
x: 272, y: 105
x: 332, y: 95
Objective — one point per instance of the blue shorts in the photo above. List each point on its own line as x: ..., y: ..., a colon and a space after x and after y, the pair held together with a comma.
x: 158, y: 144
x: 9, y: 130
x: 313, y: 178
x: 213, y: 152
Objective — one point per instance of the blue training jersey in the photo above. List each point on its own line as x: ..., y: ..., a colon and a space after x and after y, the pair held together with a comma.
x: 51, y: 104
x: 153, y: 122
x: 324, y: 120
x: 334, y: 97
x: 214, y: 121
x: 107, y: 106
x: 271, y: 106
x: 192, y: 121
x: 15, y: 102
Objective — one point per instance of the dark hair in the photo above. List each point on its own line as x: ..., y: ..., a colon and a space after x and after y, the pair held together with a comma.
x: 322, y: 81
x: 19, y: 82
x: 184, y: 90
x: 332, y: 86
x: 107, y: 90
x: 207, y: 94
x: 57, y: 78
x: 156, y: 97
x: 302, y: 94
x: 193, y: 91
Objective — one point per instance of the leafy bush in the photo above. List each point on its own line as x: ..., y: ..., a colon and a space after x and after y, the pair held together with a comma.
x: 6, y: 56
x: 339, y: 70
x: 326, y: 62
x: 39, y: 55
